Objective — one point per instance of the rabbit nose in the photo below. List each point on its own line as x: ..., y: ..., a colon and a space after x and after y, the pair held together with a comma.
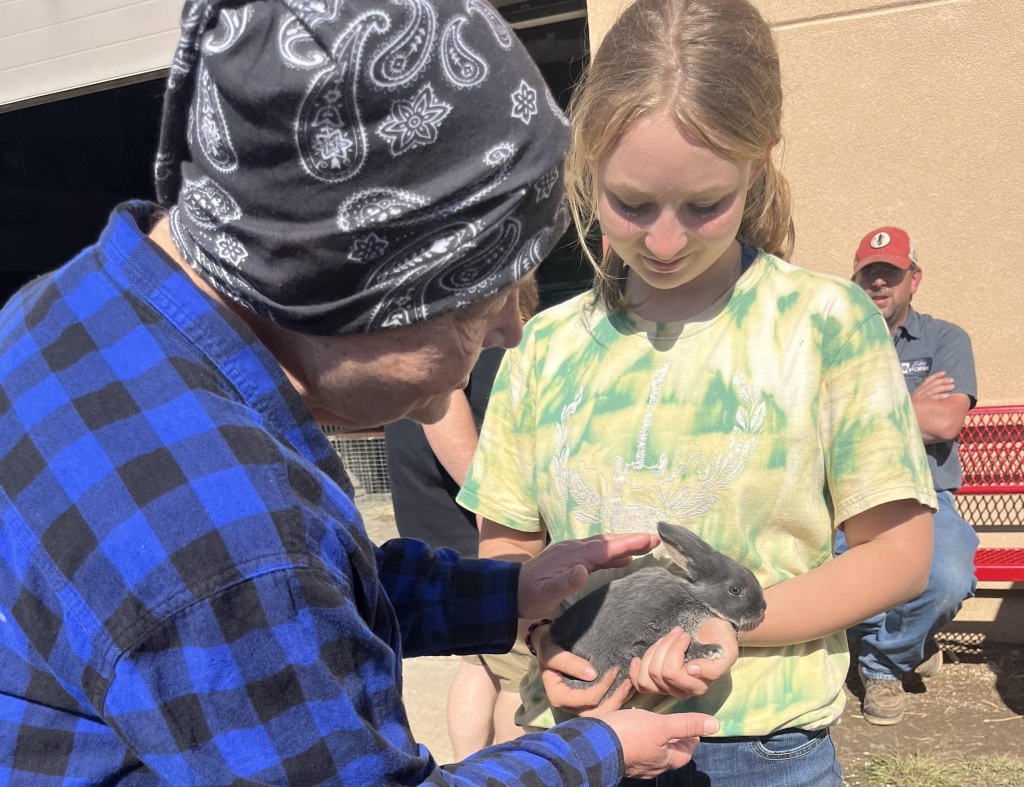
x: 752, y: 623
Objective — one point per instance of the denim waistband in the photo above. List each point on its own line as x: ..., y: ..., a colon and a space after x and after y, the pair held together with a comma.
x: 750, y: 738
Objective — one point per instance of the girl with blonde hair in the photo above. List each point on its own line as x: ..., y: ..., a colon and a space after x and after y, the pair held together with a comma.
x: 707, y: 382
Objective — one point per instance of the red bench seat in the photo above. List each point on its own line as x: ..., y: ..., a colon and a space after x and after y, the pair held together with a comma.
x: 999, y: 565
x: 992, y: 455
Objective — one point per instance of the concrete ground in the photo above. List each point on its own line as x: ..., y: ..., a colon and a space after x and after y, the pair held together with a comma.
x: 971, y: 709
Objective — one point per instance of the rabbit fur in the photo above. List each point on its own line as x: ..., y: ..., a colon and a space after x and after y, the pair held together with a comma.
x: 621, y: 620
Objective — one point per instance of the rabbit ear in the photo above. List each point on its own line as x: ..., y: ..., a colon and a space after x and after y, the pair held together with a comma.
x: 689, y: 551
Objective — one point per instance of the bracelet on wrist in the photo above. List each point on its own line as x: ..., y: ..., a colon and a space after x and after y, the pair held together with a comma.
x: 529, y: 633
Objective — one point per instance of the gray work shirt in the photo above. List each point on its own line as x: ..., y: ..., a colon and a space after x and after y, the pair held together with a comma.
x: 926, y: 346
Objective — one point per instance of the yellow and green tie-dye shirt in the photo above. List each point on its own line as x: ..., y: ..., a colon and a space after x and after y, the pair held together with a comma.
x: 760, y: 425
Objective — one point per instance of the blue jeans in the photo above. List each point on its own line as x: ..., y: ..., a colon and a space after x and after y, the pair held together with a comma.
x: 893, y: 642
x: 791, y: 758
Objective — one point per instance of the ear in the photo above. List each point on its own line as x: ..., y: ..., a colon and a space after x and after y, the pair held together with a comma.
x: 915, y: 280
x: 691, y: 553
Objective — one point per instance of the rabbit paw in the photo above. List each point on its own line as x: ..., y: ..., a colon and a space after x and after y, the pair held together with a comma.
x: 698, y: 651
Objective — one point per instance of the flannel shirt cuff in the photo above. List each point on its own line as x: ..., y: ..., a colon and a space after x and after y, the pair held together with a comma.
x: 486, y: 606
x: 589, y: 744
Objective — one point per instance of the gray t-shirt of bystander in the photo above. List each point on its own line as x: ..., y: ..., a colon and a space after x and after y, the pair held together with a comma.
x: 925, y: 346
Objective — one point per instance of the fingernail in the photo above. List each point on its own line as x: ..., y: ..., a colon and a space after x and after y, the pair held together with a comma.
x: 711, y: 726
x: 693, y: 669
x: 589, y: 673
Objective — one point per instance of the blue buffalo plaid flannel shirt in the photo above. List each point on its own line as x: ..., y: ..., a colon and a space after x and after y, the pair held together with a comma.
x: 187, y: 595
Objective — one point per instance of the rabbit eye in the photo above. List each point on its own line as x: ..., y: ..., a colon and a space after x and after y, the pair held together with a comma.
x: 735, y: 590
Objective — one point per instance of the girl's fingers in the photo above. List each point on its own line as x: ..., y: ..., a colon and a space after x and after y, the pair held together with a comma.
x: 572, y: 665
x: 651, y: 677
x: 562, y: 696
x: 614, y: 702
x: 551, y: 656
x: 684, y: 680
x: 660, y: 661
x: 675, y: 659
x: 647, y: 666
x: 634, y: 672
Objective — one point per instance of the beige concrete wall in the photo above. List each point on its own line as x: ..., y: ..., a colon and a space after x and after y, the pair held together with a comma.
x: 50, y: 46
x: 911, y: 114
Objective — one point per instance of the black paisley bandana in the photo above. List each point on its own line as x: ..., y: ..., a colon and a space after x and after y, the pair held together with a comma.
x: 343, y: 166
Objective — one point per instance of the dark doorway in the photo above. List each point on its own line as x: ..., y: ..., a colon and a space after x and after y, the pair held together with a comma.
x: 561, y: 52
x: 63, y: 166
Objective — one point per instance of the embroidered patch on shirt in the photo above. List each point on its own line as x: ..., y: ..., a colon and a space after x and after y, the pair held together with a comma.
x: 916, y: 366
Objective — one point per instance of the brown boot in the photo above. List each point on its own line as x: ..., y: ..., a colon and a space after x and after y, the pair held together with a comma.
x: 884, y: 701
x: 932, y: 663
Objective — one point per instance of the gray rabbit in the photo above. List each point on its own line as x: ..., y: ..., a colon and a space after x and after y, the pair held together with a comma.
x: 622, y: 619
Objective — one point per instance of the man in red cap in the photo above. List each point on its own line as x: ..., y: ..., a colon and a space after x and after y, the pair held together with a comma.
x: 938, y: 367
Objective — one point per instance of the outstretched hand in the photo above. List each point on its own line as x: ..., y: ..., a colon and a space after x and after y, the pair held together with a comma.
x: 653, y: 743
x: 563, y: 567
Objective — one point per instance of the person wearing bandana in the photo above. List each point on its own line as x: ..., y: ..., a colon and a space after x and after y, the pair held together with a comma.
x: 350, y: 194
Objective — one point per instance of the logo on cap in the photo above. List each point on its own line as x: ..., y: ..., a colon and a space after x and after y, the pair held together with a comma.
x: 880, y: 240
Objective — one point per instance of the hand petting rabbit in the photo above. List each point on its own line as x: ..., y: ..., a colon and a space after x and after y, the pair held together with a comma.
x: 619, y: 622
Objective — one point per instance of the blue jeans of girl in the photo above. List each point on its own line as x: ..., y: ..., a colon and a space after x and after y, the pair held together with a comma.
x: 790, y: 758
x: 893, y: 642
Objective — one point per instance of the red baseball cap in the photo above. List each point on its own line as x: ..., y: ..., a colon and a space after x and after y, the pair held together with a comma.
x: 886, y: 244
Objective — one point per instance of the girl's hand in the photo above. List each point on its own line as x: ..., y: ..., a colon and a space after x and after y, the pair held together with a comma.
x: 555, y: 662
x: 662, y: 670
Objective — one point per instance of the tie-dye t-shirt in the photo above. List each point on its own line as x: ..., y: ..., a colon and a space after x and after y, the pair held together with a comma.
x: 760, y: 425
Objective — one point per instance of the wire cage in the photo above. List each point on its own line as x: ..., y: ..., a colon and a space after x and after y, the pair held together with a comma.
x: 365, y: 460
